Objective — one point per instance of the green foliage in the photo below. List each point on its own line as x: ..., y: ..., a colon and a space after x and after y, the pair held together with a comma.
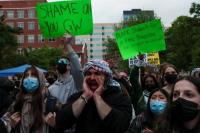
x: 195, y: 10
x: 44, y: 57
x: 183, y: 42
x: 8, y: 43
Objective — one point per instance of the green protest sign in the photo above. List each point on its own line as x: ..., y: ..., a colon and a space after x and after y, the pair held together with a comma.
x: 141, y: 38
x: 57, y: 18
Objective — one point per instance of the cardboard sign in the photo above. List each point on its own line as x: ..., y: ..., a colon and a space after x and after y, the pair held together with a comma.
x: 140, y: 39
x: 153, y: 58
x: 58, y: 18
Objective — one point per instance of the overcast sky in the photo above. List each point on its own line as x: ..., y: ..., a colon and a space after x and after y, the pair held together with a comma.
x: 110, y: 11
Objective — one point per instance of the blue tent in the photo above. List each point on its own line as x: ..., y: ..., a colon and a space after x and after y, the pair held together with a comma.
x: 16, y: 70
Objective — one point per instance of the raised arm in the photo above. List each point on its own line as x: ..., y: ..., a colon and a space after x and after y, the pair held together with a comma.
x: 76, y: 69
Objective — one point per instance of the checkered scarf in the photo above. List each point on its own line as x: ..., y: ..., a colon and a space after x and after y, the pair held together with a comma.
x: 102, y: 66
x: 98, y: 65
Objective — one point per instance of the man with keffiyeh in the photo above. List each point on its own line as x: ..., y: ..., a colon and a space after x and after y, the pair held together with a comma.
x: 101, y: 107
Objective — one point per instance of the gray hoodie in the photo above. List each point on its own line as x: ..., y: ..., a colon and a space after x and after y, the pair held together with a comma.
x: 67, y: 85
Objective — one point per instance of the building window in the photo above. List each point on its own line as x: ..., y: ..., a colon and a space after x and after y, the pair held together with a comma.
x: 11, y: 24
x: 98, y: 27
x: 1, y: 12
x: 40, y: 38
x: 96, y: 39
x: 108, y: 27
x: 31, y: 38
x: 109, y: 33
x: 20, y: 25
x: 31, y: 13
x: 31, y: 25
x: 19, y: 51
x: 20, y: 39
x: 97, y: 33
x: 97, y: 45
x: 52, y: 40
x: 91, y: 56
x: 20, y: 13
x: 10, y: 14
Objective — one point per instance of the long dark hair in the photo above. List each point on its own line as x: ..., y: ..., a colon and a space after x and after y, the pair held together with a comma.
x: 37, y: 100
x: 163, y: 72
x: 151, y: 76
x: 158, y: 124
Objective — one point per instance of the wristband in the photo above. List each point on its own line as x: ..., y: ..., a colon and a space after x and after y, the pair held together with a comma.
x: 84, y: 99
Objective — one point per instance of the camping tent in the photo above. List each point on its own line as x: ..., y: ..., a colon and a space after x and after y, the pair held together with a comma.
x: 16, y: 70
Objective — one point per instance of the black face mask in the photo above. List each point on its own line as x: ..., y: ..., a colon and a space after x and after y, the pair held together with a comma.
x: 150, y: 87
x: 170, y: 78
x: 51, y: 80
x: 184, y: 110
x: 61, y: 68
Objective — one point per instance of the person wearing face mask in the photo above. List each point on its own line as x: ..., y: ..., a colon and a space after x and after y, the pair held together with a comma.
x: 155, y: 118
x: 185, y: 108
x: 70, y: 75
x: 69, y: 81
x: 149, y: 83
x: 51, y: 77
x: 26, y: 115
x: 169, y: 76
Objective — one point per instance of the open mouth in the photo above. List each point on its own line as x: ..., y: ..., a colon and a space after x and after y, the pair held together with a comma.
x: 92, y: 84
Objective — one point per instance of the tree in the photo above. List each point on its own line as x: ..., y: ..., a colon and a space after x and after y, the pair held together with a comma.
x: 195, y: 10
x: 44, y: 57
x: 183, y: 41
x: 8, y: 43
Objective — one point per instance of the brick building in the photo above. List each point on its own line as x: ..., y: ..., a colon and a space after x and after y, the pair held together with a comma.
x: 21, y: 13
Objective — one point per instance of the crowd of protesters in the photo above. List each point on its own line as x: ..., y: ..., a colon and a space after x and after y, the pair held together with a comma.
x: 97, y: 98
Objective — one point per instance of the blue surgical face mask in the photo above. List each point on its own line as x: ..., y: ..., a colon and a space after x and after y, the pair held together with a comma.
x: 31, y: 84
x: 157, y: 107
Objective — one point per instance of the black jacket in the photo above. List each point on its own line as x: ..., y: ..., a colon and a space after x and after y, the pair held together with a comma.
x: 117, y: 121
x: 2, y: 127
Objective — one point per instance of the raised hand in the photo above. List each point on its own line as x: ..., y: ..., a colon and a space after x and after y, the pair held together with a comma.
x: 146, y: 130
x: 100, y: 81
x: 87, y: 93
x: 50, y: 119
x: 68, y: 38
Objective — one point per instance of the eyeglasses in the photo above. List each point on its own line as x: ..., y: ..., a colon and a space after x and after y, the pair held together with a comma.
x: 63, y: 61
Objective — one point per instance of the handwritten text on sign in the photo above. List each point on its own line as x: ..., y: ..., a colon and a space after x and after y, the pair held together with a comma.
x: 141, y: 38
x: 153, y: 58
x: 58, y: 18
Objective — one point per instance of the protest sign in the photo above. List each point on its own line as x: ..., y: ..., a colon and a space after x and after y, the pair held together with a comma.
x: 140, y: 39
x: 58, y: 18
x: 138, y: 62
x: 153, y: 58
